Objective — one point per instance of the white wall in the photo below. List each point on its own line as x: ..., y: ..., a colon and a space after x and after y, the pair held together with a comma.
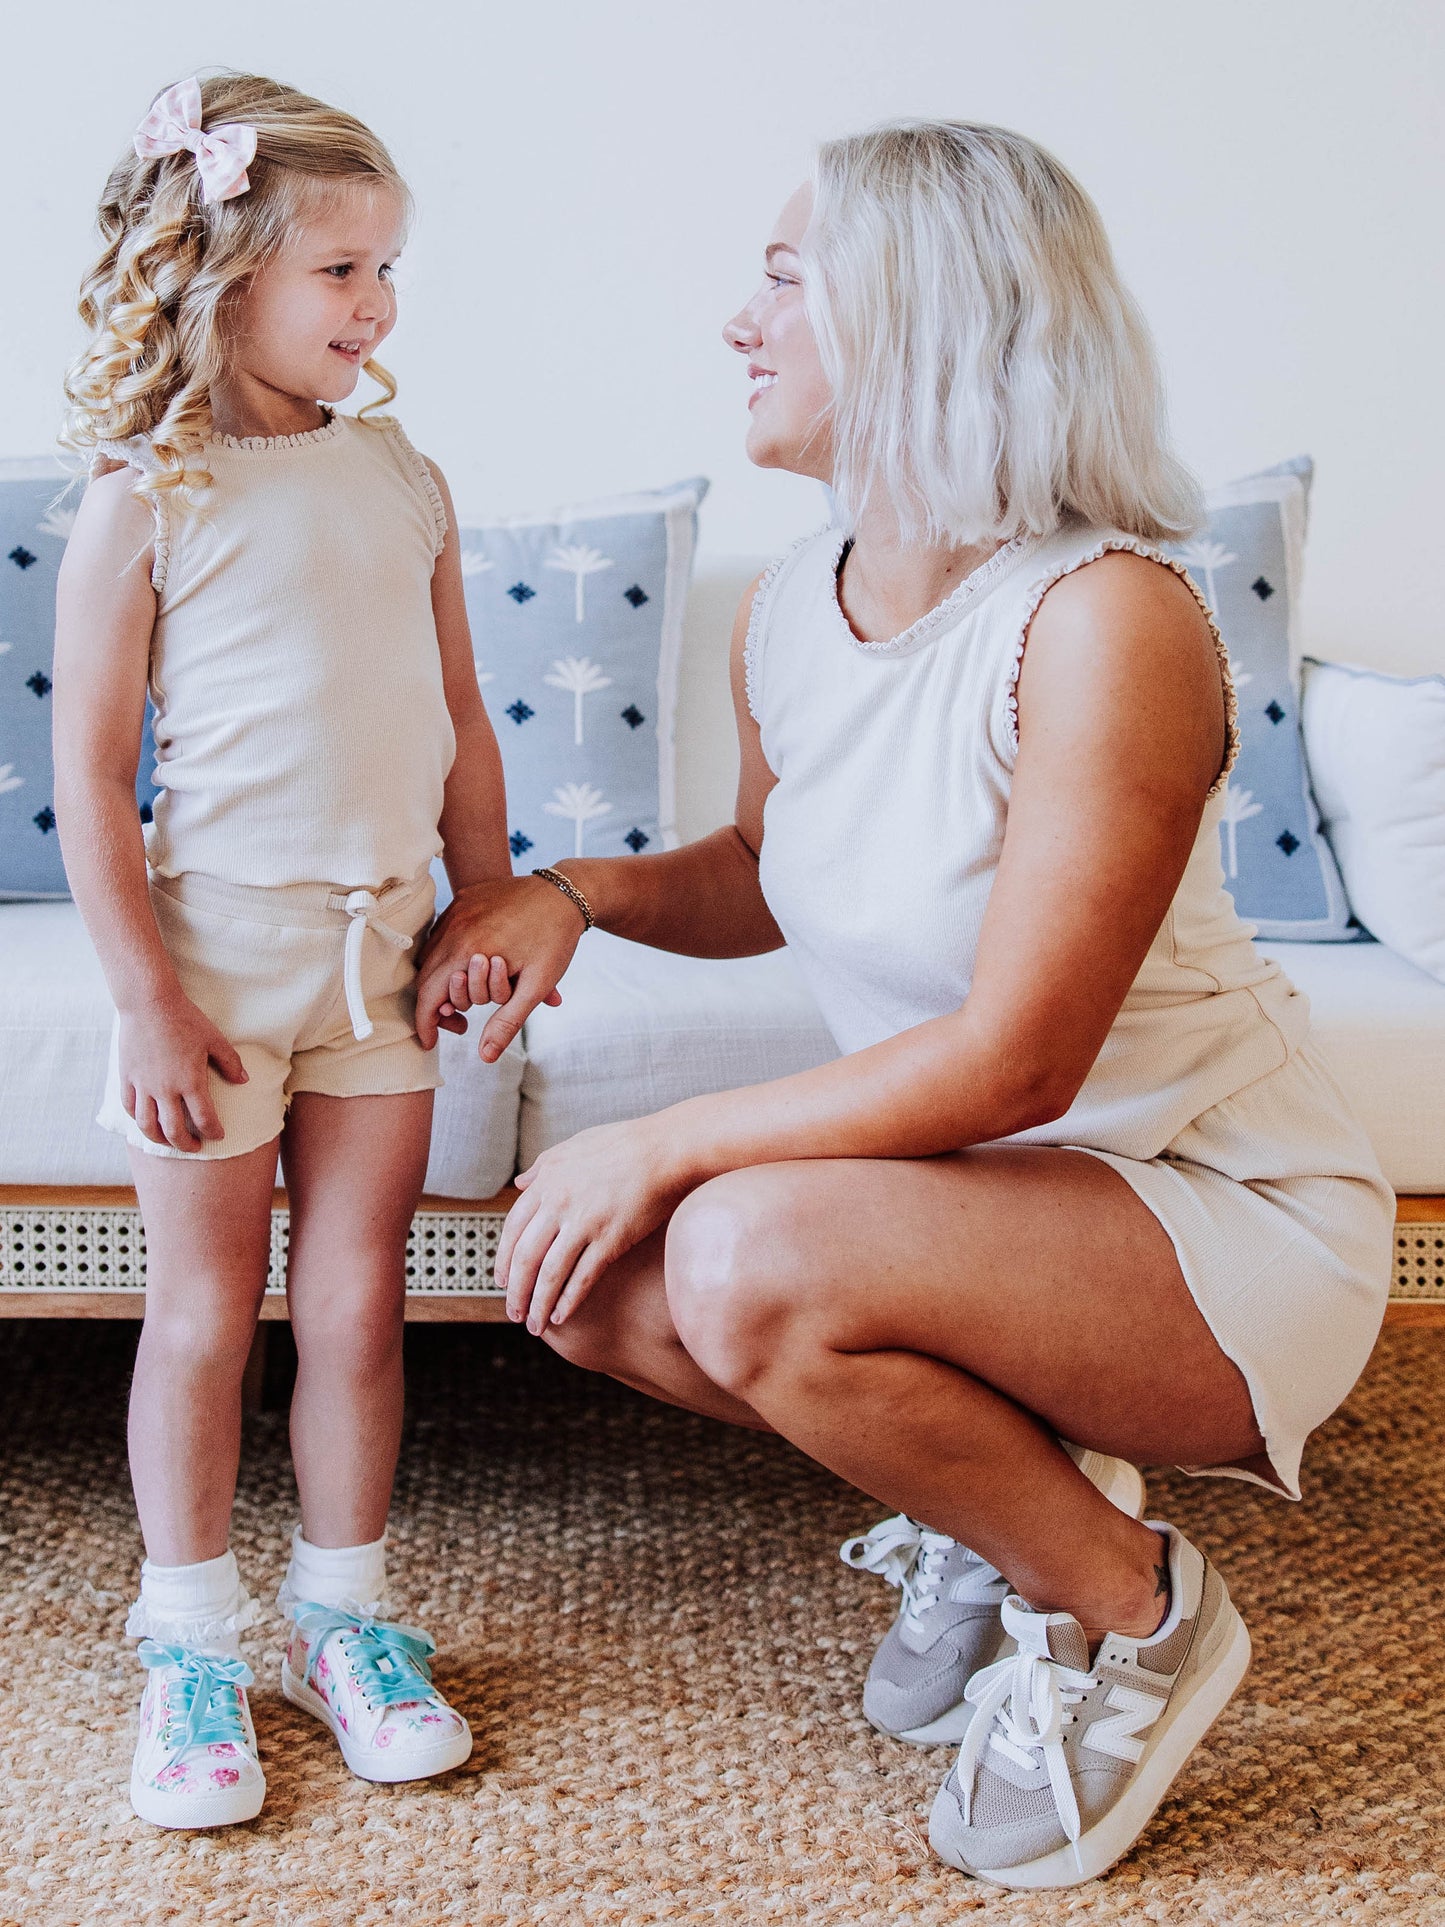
x: 595, y: 179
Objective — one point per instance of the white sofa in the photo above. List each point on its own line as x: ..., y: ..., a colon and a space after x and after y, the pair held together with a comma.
x: 636, y: 1030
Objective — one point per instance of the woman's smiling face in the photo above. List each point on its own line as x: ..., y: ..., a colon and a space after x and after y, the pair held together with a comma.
x: 791, y: 399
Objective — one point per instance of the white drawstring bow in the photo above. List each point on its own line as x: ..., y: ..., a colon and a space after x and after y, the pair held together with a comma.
x: 362, y: 907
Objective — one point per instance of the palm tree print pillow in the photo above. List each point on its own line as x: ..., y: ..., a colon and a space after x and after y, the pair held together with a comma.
x: 37, y: 514
x: 576, y: 620
x: 1248, y: 563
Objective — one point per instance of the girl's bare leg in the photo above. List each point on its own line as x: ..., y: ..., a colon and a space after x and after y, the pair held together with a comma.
x: 208, y: 1243
x: 354, y: 1171
x: 928, y: 1329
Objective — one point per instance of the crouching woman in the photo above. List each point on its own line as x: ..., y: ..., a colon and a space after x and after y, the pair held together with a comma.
x: 1080, y: 1174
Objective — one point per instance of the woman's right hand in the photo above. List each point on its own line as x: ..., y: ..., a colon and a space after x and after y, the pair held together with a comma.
x: 507, y: 941
x: 166, y: 1052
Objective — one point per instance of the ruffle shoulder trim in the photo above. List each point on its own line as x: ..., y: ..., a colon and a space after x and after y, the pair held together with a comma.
x: 421, y: 474
x: 756, y: 639
x: 1129, y: 545
x: 138, y: 454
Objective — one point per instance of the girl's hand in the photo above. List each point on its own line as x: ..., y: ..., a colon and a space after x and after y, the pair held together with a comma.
x: 165, y: 1057
x: 526, y: 926
x: 492, y: 982
x: 583, y: 1204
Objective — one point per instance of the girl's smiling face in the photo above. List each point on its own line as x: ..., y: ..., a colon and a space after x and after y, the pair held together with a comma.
x: 307, y: 322
x: 791, y: 398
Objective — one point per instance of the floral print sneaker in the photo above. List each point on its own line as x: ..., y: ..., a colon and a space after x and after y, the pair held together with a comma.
x: 369, y: 1680
x: 195, y: 1760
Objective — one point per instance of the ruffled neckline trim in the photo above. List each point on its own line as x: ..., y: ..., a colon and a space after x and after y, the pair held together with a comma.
x: 953, y: 606
x: 270, y: 444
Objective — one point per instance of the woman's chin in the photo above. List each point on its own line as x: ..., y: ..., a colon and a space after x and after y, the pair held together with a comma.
x: 765, y: 450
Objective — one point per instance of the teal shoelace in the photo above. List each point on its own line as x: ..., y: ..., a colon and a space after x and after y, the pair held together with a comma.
x: 203, y: 1701
x: 390, y: 1663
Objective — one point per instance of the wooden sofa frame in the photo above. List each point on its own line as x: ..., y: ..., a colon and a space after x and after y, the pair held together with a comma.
x: 79, y: 1252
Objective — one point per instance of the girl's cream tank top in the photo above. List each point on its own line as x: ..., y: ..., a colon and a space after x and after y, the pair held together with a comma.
x: 301, y: 727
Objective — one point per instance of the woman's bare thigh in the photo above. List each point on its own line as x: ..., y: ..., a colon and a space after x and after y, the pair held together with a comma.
x: 1037, y: 1271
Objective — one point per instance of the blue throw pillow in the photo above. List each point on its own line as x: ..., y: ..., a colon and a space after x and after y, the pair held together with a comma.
x: 1248, y: 563
x: 576, y: 619
x: 34, y: 528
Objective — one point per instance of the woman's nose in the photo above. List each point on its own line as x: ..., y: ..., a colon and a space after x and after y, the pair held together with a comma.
x: 742, y: 332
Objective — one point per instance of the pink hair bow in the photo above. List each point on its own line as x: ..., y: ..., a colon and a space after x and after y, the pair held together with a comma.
x: 222, y: 153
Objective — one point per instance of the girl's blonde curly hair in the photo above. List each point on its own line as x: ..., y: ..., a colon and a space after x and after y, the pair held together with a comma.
x: 155, y: 302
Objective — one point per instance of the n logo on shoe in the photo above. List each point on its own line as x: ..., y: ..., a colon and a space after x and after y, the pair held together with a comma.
x: 1115, y: 1736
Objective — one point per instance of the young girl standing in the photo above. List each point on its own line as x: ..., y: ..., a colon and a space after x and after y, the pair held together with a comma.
x: 279, y: 575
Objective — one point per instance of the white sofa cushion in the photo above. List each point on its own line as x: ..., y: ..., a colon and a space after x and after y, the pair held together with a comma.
x: 474, y: 1128
x: 638, y: 1029
x: 1380, y: 1024
x: 55, y: 1019
x: 1376, y: 746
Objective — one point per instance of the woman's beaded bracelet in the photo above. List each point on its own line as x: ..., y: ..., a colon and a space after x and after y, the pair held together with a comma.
x: 569, y: 889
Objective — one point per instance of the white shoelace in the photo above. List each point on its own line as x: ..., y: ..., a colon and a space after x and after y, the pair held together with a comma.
x: 1020, y: 1702
x: 911, y: 1557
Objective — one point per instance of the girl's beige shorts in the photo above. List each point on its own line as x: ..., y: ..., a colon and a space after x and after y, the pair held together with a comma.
x: 311, y: 985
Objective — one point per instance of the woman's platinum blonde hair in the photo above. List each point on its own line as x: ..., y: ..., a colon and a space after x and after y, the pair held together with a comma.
x: 990, y: 373
x: 155, y: 302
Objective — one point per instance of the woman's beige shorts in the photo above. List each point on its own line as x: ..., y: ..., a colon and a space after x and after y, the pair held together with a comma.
x: 268, y: 967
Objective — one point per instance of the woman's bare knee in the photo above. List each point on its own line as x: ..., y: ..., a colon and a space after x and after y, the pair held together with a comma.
x: 731, y: 1276
x: 590, y: 1342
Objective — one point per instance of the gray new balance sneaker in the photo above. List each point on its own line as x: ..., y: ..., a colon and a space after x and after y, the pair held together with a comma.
x: 948, y: 1624
x: 1066, y: 1760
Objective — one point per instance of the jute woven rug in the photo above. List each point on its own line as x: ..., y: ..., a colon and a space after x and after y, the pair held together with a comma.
x: 644, y: 1616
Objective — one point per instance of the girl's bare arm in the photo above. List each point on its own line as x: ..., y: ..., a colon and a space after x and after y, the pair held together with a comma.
x: 474, y: 813
x: 104, y: 614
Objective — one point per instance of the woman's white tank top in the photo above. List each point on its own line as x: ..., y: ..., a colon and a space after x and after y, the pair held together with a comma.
x: 302, y: 730
x: 883, y: 833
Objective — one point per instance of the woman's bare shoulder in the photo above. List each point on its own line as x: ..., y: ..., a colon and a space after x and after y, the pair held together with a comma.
x: 1125, y: 640
x: 1123, y: 587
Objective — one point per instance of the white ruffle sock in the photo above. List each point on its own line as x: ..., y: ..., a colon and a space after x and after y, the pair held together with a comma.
x: 350, y: 1576
x: 203, y: 1606
x: 195, y: 1760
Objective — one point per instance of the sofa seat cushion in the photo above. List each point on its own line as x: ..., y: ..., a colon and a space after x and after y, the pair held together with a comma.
x: 55, y: 1020
x: 639, y: 1029
x: 1380, y: 1024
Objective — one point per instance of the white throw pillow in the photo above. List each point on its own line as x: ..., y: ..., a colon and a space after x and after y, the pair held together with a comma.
x: 1376, y: 749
